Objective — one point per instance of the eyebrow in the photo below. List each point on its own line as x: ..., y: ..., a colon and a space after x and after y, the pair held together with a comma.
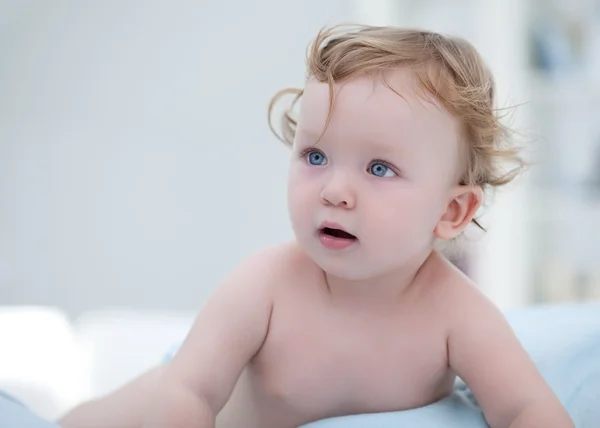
x: 386, y: 148
x: 308, y: 134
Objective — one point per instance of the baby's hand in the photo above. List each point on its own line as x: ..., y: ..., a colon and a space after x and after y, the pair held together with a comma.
x: 486, y: 354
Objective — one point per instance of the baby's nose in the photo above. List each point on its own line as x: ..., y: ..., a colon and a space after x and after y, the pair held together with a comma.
x: 339, y: 193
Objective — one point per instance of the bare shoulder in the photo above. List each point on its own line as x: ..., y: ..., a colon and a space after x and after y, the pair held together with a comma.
x: 457, y: 296
x: 460, y: 307
x: 445, y: 287
x: 232, y: 325
x: 279, y: 259
x: 271, y: 266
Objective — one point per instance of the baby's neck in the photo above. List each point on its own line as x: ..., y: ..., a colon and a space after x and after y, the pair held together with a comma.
x: 377, y: 294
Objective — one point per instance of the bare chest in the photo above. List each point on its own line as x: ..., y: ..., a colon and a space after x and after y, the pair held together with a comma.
x: 314, y: 364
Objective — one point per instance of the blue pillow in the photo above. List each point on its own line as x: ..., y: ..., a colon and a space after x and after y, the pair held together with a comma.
x: 563, y: 340
x: 13, y: 414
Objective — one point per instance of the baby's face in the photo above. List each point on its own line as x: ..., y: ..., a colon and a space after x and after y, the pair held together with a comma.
x: 383, y: 172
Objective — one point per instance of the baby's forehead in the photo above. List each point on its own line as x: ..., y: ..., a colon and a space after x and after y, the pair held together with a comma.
x: 374, y: 108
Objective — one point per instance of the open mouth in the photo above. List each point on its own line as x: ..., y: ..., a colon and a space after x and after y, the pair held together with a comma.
x: 337, y: 233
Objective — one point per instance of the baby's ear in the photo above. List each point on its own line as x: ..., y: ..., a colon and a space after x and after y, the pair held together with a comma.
x: 464, y: 203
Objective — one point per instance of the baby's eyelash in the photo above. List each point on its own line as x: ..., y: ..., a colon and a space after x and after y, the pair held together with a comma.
x: 308, y: 150
x: 389, y: 165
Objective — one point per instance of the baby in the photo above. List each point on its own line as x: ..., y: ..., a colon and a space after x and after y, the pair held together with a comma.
x: 395, y: 144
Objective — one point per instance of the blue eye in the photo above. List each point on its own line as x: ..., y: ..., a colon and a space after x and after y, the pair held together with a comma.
x: 380, y: 169
x: 316, y: 158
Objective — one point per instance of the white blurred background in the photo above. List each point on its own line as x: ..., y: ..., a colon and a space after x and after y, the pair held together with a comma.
x: 137, y: 168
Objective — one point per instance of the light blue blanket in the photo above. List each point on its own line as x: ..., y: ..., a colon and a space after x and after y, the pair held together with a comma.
x: 14, y: 415
x: 563, y: 340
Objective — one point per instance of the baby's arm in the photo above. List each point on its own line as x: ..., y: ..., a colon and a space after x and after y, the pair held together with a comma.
x: 486, y: 354
x: 227, y: 333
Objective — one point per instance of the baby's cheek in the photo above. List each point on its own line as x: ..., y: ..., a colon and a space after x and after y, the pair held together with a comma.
x: 301, y: 201
x: 403, y: 216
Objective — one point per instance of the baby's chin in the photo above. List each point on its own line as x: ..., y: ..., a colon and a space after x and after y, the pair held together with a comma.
x: 360, y: 267
x: 347, y: 273
x: 346, y: 267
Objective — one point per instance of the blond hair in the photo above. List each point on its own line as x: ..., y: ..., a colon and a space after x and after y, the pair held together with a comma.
x: 447, y: 68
